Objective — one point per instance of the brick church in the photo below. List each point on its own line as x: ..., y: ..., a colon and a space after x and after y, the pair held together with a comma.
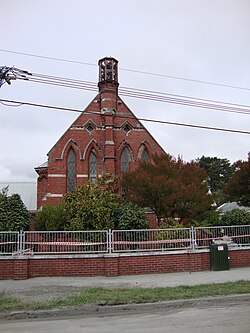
x: 106, y: 138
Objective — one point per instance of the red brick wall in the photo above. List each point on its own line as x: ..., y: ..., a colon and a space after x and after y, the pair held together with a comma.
x: 165, y: 263
x: 239, y: 258
x: 114, y: 265
x: 6, y: 269
x: 21, y: 269
x: 66, y: 267
x: 107, y: 140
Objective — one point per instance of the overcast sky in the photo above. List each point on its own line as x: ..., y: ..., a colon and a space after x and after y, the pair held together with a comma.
x: 205, y: 40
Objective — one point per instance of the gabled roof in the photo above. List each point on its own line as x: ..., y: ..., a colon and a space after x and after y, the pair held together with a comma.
x: 228, y: 206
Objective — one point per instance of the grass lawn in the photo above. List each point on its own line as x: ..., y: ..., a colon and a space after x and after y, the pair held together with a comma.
x: 123, y: 296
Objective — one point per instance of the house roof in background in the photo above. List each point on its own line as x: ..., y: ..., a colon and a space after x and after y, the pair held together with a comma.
x: 26, y: 190
x: 226, y: 207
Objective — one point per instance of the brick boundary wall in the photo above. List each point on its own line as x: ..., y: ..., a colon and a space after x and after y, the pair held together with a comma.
x: 25, y: 267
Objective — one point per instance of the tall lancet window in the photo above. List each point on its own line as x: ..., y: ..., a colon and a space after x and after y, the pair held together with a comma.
x: 145, y: 157
x: 71, y: 170
x: 125, y: 158
x: 92, y: 167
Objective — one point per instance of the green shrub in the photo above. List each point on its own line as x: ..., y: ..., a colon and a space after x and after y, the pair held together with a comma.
x: 51, y: 218
x: 14, y: 216
x: 129, y: 217
x: 208, y: 218
x: 236, y: 217
x: 92, y: 206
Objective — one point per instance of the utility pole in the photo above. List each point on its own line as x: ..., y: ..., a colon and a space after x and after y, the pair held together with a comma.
x: 6, y: 75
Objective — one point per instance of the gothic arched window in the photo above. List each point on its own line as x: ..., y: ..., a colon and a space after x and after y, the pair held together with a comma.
x: 71, y: 170
x: 145, y: 157
x: 92, y: 166
x: 125, y: 158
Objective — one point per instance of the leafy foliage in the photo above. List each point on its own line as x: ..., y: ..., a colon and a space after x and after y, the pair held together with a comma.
x: 51, y: 218
x: 14, y: 216
x: 218, y: 171
x: 236, y: 217
x: 129, y: 216
x: 92, y: 206
x: 238, y: 186
x: 219, y: 198
x: 169, y: 187
x: 208, y: 218
x: 170, y: 223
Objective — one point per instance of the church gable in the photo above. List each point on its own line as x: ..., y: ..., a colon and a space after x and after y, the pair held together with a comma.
x: 105, y: 138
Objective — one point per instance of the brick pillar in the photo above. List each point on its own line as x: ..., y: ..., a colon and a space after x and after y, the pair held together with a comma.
x: 21, y: 269
x: 111, y: 265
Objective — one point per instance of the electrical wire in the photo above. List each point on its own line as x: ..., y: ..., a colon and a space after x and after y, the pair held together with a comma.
x: 127, y: 117
x: 50, y: 58
x: 130, y: 70
x: 138, y: 93
x: 10, y: 104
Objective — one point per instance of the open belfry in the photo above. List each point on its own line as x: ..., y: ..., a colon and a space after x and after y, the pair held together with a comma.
x: 106, y: 138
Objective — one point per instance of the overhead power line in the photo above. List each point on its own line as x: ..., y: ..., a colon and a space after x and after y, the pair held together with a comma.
x: 50, y: 58
x: 129, y: 70
x: 120, y: 116
x: 135, y: 93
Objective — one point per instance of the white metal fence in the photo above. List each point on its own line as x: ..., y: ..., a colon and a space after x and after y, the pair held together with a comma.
x: 151, y: 240
x: 9, y: 242
x: 232, y: 235
x: 60, y: 242
x: 120, y: 241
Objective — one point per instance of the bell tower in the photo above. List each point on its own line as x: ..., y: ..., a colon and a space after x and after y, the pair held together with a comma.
x: 108, y: 73
x: 108, y: 92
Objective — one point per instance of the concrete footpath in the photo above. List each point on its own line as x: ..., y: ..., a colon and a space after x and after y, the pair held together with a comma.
x: 45, y: 288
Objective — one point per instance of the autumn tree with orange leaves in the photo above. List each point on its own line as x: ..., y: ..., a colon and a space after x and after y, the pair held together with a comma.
x: 169, y: 186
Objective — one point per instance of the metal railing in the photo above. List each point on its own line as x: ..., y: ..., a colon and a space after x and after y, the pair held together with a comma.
x: 234, y: 236
x: 151, y: 240
x: 62, y: 242
x: 9, y: 242
x: 121, y: 241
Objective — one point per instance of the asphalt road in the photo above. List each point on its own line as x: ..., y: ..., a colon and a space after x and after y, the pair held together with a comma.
x: 229, y: 315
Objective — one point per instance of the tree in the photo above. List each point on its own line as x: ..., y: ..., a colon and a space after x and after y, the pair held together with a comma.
x: 238, y: 186
x: 236, y: 217
x: 208, y: 218
x: 218, y: 171
x: 92, y: 206
x: 14, y: 216
x: 130, y: 216
x: 52, y: 218
x: 169, y: 187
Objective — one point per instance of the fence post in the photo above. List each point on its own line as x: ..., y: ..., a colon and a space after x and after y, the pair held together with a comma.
x: 110, y: 241
x: 20, y: 242
x: 193, y: 238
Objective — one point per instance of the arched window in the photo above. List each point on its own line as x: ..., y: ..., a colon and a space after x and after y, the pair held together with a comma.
x: 145, y: 157
x: 125, y: 158
x: 92, y: 167
x: 71, y: 170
